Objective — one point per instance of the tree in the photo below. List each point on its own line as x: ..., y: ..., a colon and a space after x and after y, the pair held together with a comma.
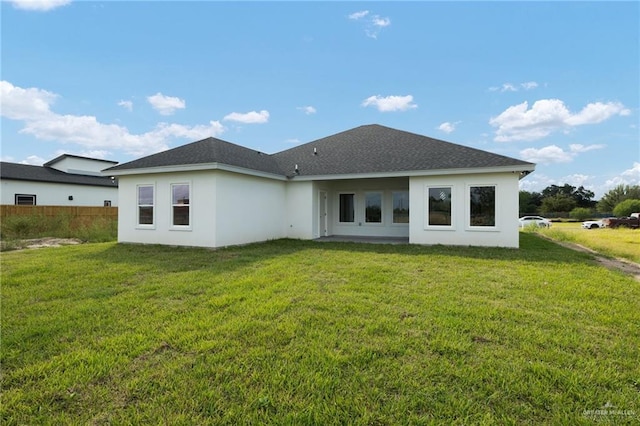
x: 529, y: 202
x: 581, y: 213
x: 627, y: 207
x: 617, y: 195
x: 557, y: 203
x: 581, y: 195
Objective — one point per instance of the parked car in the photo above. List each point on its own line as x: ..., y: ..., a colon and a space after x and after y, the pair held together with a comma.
x: 536, y: 220
x: 593, y: 224
x: 632, y: 221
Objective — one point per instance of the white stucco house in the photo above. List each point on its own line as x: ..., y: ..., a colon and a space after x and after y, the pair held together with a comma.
x: 67, y: 180
x: 368, y: 181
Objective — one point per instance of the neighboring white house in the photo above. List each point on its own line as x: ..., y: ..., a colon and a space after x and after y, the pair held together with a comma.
x: 68, y: 180
x: 368, y: 181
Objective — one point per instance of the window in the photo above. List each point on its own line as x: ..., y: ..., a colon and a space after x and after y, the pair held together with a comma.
x: 482, y: 206
x: 180, y: 204
x: 373, y: 207
x: 145, y: 204
x: 25, y: 200
x: 107, y: 203
x: 401, y: 207
x: 439, y: 210
x: 347, y: 207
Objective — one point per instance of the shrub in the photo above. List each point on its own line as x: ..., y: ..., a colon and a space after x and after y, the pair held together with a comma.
x: 581, y: 213
x: 626, y: 207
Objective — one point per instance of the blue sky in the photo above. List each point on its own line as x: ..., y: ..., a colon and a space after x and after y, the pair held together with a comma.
x: 555, y: 83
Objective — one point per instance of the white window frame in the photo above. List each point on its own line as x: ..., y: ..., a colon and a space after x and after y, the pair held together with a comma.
x: 382, y: 215
x: 174, y: 227
x: 454, y: 202
x: 138, y: 205
x: 496, y: 218
x: 399, y: 191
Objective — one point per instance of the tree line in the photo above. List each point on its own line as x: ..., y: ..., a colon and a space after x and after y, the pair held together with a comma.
x: 579, y: 203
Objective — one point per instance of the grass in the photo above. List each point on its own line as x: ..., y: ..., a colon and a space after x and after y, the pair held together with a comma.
x: 620, y: 242
x: 15, y: 229
x: 293, y: 332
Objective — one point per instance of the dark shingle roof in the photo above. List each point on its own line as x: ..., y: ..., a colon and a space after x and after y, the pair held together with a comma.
x: 210, y: 150
x: 366, y: 149
x: 16, y: 171
x: 379, y: 149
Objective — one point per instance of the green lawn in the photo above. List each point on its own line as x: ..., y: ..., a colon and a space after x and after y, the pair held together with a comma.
x: 292, y: 332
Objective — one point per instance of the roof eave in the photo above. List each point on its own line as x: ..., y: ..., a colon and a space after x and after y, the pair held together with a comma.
x: 193, y: 168
x: 523, y: 170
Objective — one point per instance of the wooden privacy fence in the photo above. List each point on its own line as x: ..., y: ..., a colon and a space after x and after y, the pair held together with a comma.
x: 80, y: 214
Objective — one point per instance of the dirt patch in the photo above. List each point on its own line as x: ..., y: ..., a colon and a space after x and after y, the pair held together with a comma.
x: 43, y: 242
x: 626, y: 266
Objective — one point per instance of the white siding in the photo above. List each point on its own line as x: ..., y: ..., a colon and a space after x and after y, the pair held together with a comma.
x: 248, y: 209
x: 505, y: 233
x: 300, y: 210
x: 83, y: 166
x: 57, y: 194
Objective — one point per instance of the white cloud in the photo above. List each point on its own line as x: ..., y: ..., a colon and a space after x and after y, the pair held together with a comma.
x: 510, y: 87
x: 293, y: 141
x: 21, y: 104
x: 307, y: 109
x: 390, y: 103
x: 39, y: 5
x: 546, y: 155
x: 518, y: 122
x: 252, y: 117
x: 555, y: 154
x: 128, y: 105
x: 373, y: 24
x: 34, y: 160
x: 358, y: 15
x: 166, y: 105
x: 577, y: 147
x: 628, y: 177
x: 447, y: 127
x: 32, y: 106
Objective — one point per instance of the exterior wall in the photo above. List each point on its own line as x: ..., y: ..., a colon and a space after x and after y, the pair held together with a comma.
x: 299, y: 210
x: 57, y: 194
x: 248, y: 209
x: 200, y: 232
x: 504, y: 234
x: 359, y: 187
x: 83, y: 166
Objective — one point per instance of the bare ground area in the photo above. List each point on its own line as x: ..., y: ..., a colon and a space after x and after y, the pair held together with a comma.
x: 43, y: 242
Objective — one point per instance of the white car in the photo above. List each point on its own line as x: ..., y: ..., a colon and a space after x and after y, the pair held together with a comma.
x: 535, y: 220
x: 593, y: 224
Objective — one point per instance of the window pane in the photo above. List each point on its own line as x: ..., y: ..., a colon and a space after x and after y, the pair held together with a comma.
x: 347, y: 211
x: 145, y: 195
x: 145, y: 215
x: 181, y: 215
x: 401, y: 207
x: 482, y: 206
x: 440, y: 206
x: 373, y: 210
x: 180, y: 194
x: 25, y: 200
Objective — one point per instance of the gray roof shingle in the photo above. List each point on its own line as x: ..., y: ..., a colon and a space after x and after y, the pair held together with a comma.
x: 26, y: 172
x: 366, y: 149
x: 206, y: 151
x: 379, y: 149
